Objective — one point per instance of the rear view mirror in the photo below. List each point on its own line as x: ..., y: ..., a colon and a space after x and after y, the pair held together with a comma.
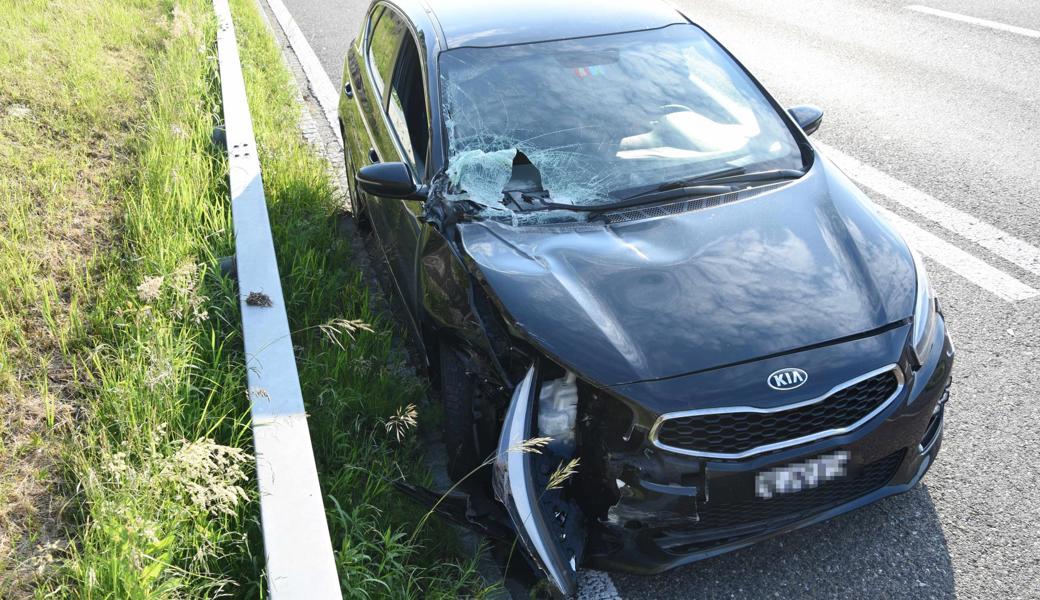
x: 389, y: 180
x: 807, y: 116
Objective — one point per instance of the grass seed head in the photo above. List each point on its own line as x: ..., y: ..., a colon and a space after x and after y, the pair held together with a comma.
x: 563, y: 472
x: 401, y: 422
x: 150, y: 288
x: 210, y: 474
x: 531, y: 445
x: 335, y: 329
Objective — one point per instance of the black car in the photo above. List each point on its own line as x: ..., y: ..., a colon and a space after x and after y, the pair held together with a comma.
x: 675, y: 327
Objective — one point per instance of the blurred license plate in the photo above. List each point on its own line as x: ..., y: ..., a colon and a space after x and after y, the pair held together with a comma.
x: 801, y: 476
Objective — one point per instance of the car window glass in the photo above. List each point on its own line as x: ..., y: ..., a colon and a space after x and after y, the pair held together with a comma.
x: 615, y: 115
x: 407, y: 108
x: 384, y: 40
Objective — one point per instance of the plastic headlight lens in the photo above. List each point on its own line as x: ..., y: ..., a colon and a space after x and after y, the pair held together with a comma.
x: 925, y: 314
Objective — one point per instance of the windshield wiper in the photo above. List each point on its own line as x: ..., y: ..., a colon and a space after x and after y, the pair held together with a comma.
x: 734, y: 175
x: 645, y: 198
x: 720, y: 182
x: 688, y: 181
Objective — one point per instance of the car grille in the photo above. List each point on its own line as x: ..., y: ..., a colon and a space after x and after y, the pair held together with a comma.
x: 738, y: 434
x: 756, y: 514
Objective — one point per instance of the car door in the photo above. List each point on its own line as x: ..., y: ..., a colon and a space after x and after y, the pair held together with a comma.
x: 400, y: 132
x: 408, y: 116
x: 366, y: 77
x: 385, y: 32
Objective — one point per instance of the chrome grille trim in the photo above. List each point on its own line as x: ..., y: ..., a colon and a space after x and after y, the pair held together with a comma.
x: 900, y: 383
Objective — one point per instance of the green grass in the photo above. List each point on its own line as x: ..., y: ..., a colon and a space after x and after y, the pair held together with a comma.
x: 351, y: 392
x: 125, y: 459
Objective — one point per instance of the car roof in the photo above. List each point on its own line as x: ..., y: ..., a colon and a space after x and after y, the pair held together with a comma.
x: 505, y: 22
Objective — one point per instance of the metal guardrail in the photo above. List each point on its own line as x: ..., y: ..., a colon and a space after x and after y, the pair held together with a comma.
x: 300, y: 562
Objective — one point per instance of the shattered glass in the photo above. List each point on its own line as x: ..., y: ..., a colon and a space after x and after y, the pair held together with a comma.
x: 481, y: 173
x: 601, y: 118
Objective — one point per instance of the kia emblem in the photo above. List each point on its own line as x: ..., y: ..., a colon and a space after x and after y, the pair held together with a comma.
x: 787, y: 379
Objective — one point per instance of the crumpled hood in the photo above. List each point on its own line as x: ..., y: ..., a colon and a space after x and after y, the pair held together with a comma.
x: 801, y: 265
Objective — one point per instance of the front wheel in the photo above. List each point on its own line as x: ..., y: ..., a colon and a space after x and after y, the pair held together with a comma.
x: 458, y: 391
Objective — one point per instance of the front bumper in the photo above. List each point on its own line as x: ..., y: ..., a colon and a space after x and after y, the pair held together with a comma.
x: 655, y: 527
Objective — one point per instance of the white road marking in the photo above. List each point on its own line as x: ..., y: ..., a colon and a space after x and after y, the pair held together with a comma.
x: 596, y: 585
x: 325, y: 92
x: 1001, y: 243
x: 974, y: 20
x: 953, y: 258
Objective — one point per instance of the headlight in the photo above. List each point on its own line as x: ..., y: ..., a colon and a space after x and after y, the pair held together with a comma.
x: 925, y: 314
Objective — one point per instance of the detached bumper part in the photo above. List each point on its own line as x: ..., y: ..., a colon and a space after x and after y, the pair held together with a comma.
x: 515, y: 487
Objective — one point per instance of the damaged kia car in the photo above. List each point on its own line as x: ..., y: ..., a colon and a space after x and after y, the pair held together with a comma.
x: 616, y: 248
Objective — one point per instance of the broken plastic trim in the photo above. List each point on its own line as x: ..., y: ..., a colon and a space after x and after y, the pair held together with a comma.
x: 514, y: 487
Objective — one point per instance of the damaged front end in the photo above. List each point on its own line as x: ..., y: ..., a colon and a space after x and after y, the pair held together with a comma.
x: 530, y: 477
x: 573, y: 470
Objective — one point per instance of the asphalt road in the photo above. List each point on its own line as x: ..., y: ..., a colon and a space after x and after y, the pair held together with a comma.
x: 926, y: 106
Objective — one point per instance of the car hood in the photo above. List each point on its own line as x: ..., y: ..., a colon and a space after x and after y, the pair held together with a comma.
x: 797, y: 266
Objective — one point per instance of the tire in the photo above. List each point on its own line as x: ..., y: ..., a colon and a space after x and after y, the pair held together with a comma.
x: 458, y: 390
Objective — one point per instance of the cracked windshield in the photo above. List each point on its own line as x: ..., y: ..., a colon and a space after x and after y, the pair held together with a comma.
x: 592, y: 121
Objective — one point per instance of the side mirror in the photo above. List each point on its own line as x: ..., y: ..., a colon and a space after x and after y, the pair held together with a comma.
x: 807, y: 116
x: 389, y: 180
